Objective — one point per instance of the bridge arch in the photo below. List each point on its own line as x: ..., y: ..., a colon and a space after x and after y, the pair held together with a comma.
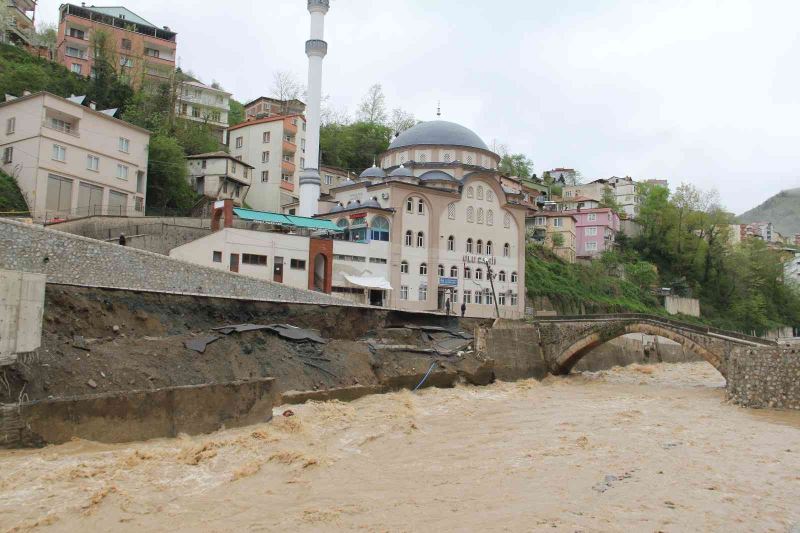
x: 573, y: 353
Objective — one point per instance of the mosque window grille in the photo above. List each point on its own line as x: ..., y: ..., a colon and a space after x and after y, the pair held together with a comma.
x: 489, y: 195
x: 470, y: 193
x: 469, y: 159
x: 423, y: 157
x: 480, y: 215
x: 470, y: 214
x: 489, y: 218
x: 451, y: 211
x: 507, y: 221
x: 447, y: 157
x: 480, y: 192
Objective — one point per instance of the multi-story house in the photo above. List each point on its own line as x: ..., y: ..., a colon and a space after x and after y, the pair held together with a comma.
x: 71, y: 160
x: 275, y: 147
x: 219, y: 176
x: 596, y: 231
x: 331, y: 177
x: 626, y: 193
x: 555, y: 229
x: 17, y: 23
x: 563, y: 175
x: 592, y: 190
x: 264, y: 106
x: 142, y: 51
x: 203, y: 103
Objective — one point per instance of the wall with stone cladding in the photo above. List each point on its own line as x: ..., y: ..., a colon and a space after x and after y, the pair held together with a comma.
x: 74, y: 260
x: 765, y: 377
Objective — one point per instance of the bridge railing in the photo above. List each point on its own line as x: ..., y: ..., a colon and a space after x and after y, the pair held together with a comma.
x: 644, y: 317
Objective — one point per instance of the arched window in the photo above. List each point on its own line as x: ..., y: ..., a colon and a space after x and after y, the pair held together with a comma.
x: 420, y: 207
x: 507, y: 221
x: 470, y: 214
x: 447, y: 157
x: 379, y: 229
x: 467, y: 273
x: 453, y: 271
x: 344, y: 225
x: 404, y: 267
x: 501, y: 276
x: 441, y: 271
x: 409, y: 238
x: 506, y: 250
x: 488, y: 247
x: 479, y: 247
x: 513, y: 277
x: 469, y: 159
x: 420, y: 240
x: 469, y: 192
x: 489, y: 218
x: 480, y: 192
x: 423, y: 157
x: 489, y: 195
x: 478, y: 273
x: 480, y: 215
x: 451, y: 211
x: 423, y: 269
x: 451, y: 244
x: 469, y: 245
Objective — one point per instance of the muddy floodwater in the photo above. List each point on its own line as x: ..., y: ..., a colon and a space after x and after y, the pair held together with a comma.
x: 642, y: 448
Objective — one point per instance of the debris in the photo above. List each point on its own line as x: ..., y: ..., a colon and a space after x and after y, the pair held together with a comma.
x: 199, y: 344
x: 320, y: 368
x: 78, y: 341
x: 287, y: 413
x: 669, y: 445
x: 92, y: 383
x: 115, y: 329
x: 286, y: 331
x: 609, y: 480
x: 103, y: 374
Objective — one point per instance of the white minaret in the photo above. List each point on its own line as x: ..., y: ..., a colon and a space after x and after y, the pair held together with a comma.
x: 316, y: 48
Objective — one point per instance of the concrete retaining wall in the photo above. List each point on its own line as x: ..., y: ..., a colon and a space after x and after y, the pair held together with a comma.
x: 74, y: 260
x: 137, y: 415
x: 514, y: 348
x: 684, y: 306
x: 765, y: 377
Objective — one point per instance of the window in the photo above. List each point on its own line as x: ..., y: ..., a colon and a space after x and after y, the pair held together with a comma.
x: 489, y: 218
x: 152, y: 52
x: 409, y: 238
x: 93, y: 162
x: 404, y: 267
x: 558, y: 222
x: 488, y: 247
x: 478, y: 274
x: 76, y: 68
x: 117, y: 203
x: 59, y: 194
x: 286, y: 177
x: 302, y: 162
x: 489, y: 299
x: 469, y: 159
x: 265, y: 156
x: 126, y: 45
x: 467, y: 297
x: 540, y: 221
x: 469, y: 245
x: 470, y: 214
x: 379, y: 229
x: 420, y: 240
x: 513, y: 298
x: 138, y: 204
x: 451, y: 244
x: 501, y: 276
x: 239, y: 142
x: 451, y: 211
x: 478, y: 297
x: 233, y: 167
x: 264, y: 137
x: 78, y: 34
x: 124, y: 144
x: 447, y: 157
x: 217, y: 257
x: 591, y: 246
x: 591, y: 217
x: 467, y: 273
x: 126, y: 62
x: 410, y: 205
x: 507, y: 221
x: 140, y: 181
x: 479, y: 247
x: 122, y: 172
x: 59, y: 152
x: 297, y: 264
x: 253, y: 259
x: 513, y: 277
x: 11, y: 125
x: 454, y: 272
x: 480, y: 192
x: 423, y: 157
x: 328, y: 179
x: 423, y: 293
x: 501, y: 298
x: 420, y: 207
x: 61, y: 125
x: 303, y: 145
x: 489, y: 195
x: 423, y: 269
x: 480, y: 215
x: 404, y: 292
x: 264, y: 176
x: 378, y: 260
x: 590, y: 231
x: 195, y: 111
x: 506, y: 250
x: 8, y: 155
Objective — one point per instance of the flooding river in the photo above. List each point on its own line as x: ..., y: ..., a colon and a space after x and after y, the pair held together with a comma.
x: 642, y: 448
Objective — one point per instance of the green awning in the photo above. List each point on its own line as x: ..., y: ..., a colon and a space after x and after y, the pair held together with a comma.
x: 280, y: 219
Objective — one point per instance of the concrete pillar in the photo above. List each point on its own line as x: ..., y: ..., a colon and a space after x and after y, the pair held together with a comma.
x: 21, y: 309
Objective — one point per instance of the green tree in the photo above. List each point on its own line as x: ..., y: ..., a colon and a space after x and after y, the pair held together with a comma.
x: 372, y: 109
x: 557, y: 239
x: 516, y: 165
x: 235, y: 113
x: 353, y: 146
x: 609, y: 199
x: 167, y: 183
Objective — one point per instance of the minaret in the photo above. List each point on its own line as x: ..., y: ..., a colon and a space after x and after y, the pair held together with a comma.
x: 316, y: 48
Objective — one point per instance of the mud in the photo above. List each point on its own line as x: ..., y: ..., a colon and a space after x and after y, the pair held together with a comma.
x: 641, y: 448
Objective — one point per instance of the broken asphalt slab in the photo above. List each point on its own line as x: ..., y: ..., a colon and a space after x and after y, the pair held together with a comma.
x: 287, y: 331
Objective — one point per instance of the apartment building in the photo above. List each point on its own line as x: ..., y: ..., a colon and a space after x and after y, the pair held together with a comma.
x: 220, y: 176
x: 264, y: 106
x: 596, y: 231
x: 17, y: 26
x: 70, y: 160
x: 544, y: 227
x: 275, y: 147
x: 144, y: 52
x: 204, y: 104
x: 563, y: 175
x: 626, y: 193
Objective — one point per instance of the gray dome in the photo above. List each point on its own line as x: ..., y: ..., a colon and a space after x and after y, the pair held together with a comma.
x: 373, y: 172
x: 438, y: 132
x: 347, y: 182
x: 437, y: 175
x: 372, y: 202
x: 401, y: 172
x: 336, y: 208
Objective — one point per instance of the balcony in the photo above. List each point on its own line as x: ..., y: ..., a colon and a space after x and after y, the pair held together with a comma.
x: 69, y: 128
x: 287, y: 185
x: 127, y: 25
x: 289, y: 148
x: 288, y: 167
x: 288, y: 127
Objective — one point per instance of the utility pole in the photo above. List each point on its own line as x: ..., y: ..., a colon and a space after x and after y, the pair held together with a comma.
x: 490, y: 275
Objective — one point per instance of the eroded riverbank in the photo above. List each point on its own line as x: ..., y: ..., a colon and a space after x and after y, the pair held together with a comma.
x: 636, y: 448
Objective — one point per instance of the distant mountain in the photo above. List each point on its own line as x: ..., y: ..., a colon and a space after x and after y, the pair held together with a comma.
x: 783, y: 210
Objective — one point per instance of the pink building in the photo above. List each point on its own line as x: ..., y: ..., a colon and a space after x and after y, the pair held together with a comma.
x: 596, y: 230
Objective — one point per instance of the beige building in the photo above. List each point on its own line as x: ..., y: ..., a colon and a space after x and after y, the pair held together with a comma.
x: 275, y: 147
x: 17, y: 22
x: 264, y: 106
x: 625, y: 190
x: 70, y: 160
x: 204, y: 104
x: 545, y: 225
x: 219, y: 176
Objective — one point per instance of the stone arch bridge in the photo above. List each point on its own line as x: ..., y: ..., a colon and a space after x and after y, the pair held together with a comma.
x: 564, y: 340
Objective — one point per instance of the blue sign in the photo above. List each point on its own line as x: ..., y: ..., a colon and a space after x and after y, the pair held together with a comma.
x: 448, y: 282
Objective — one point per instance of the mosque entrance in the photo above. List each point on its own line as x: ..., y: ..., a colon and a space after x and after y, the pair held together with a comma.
x: 376, y: 297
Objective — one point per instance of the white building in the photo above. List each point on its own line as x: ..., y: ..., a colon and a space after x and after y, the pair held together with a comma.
x: 626, y: 193
x: 219, y: 176
x: 202, y: 103
x: 70, y: 160
x: 791, y: 271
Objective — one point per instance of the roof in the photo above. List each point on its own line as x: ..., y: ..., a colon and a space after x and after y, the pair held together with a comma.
x: 271, y: 99
x: 273, y: 118
x: 581, y: 199
x: 218, y: 155
x: 591, y: 210
x: 196, y: 83
x: 438, y: 132
x: 373, y: 172
x: 434, y: 175
x: 291, y: 221
x: 122, y: 13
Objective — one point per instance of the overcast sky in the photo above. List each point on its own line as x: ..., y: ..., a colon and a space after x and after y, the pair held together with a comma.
x: 701, y: 91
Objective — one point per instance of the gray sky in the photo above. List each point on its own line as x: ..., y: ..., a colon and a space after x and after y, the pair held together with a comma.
x: 702, y: 91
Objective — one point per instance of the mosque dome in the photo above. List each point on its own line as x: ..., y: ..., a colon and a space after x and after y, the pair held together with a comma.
x: 437, y: 175
x: 338, y: 207
x: 401, y: 172
x: 373, y: 172
x: 438, y: 132
x: 372, y: 202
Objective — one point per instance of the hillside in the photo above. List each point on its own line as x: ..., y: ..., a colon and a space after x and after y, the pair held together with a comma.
x: 783, y: 210
x: 11, y: 199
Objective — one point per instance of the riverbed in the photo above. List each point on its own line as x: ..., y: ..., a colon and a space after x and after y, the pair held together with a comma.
x: 640, y: 448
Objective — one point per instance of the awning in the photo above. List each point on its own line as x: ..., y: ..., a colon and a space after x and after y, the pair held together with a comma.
x: 291, y: 221
x: 369, y: 283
